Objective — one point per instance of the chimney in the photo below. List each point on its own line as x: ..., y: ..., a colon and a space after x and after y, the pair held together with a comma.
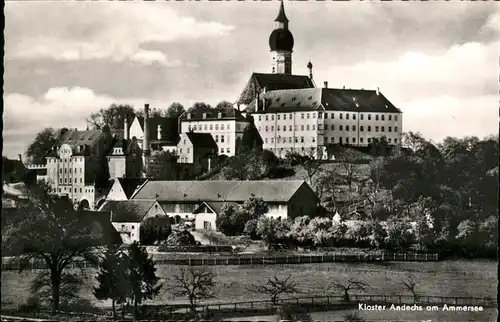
x: 326, y: 84
x: 145, y: 143
x: 378, y: 91
x: 343, y: 87
x: 125, y: 128
x: 20, y: 157
x: 209, y: 164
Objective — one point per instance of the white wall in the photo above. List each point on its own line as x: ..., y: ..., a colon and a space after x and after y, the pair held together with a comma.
x: 129, y: 231
x: 116, y: 192
x: 202, y: 217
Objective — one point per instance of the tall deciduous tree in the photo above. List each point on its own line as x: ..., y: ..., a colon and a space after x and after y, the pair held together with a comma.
x: 41, y: 147
x: 274, y: 287
x: 175, y: 110
x: 51, y: 231
x: 107, y: 116
x: 224, y: 105
x: 163, y: 166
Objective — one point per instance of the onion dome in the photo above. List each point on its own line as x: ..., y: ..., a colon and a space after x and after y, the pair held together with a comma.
x: 281, y: 39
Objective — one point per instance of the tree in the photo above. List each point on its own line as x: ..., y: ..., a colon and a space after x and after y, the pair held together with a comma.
x: 399, y: 233
x: 110, y: 115
x: 244, y: 166
x: 251, y: 139
x: 227, y: 221
x: 351, y: 284
x: 195, y: 284
x: 327, y: 184
x: 267, y: 230
x: 311, y: 162
x: 155, y: 230
x: 413, y: 141
x: 140, y: 271
x: 163, y: 166
x: 201, y: 105
x: 410, y: 284
x: 41, y: 147
x: 112, y: 279
x: 255, y: 207
x: 224, y: 105
x: 51, y: 231
x: 175, y: 110
x: 274, y: 287
x: 348, y: 161
x: 70, y: 285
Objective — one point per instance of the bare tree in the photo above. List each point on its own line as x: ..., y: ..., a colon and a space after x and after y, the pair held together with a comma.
x: 195, y: 284
x: 410, y: 283
x: 274, y: 287
x: 312, y: 162
x: 351, y: 284
x: 327, y: 183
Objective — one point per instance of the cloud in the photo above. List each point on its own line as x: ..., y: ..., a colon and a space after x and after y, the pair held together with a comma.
x: 154, y: 57
x: 444, y: 116
x: 100, y: 31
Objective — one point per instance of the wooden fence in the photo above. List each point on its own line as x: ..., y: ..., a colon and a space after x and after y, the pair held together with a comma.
x: 250, y: 259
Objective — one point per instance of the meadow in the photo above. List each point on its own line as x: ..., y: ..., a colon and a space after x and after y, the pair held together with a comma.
x: 460, y: 278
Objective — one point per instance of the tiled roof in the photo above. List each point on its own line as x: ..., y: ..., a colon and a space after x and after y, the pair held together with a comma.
x: 129, y: 185
x: 202, y: 140
x: 79, y: 137
x: 272, y: 82
x: 217, y: 206
x: 169, y: 130
x: 127, y: 210
x: 217, y: 191
x: 330, y: 99
x: 228, y: 113
x: 101, y: 225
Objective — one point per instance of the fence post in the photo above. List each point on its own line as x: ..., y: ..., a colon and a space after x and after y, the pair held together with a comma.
x: 310, y: 259
x: 262, y: 259
x: 239, y: 260
x: 404, y: 256
x: 394, y: 256
x: 189, y: 260
x: 426, y: 256
x: 383, y: 257
x: 298, y: 260
x: 286, y: 259
x: 227, y: 261
x: 328, y: 300
x: 202, y: 261
x: 251, y: 260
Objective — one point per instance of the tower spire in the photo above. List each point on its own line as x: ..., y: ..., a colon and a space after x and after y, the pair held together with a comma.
x: 281, y: 44
x: 281, y: 14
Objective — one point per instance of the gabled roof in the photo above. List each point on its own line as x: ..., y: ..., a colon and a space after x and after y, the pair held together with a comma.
x: 130, y: 185
x: 101, y: 225
x: 227, y: 113
x: 216, y: 206
x: 169, y: 128
x: 329, y: 99
x: 127, y: 210
x: 218, y: 191
x: 201, y: 140
x: 272, y: 82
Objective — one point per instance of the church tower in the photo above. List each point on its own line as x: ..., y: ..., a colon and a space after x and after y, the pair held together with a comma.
x: 281, y: 44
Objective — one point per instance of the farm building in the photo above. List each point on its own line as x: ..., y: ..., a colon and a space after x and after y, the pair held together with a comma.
x: 128, y: 215
x: 204, y: 199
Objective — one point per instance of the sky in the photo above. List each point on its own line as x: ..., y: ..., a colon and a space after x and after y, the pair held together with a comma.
x: 436, y: 61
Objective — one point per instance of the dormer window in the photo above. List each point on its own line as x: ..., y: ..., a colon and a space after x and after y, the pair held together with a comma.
x: 188, y: 116
x: 204, y: 115
x: 219, y: 115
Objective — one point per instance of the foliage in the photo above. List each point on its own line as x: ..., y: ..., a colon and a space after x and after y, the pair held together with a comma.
x: 224, y: 105
x: 41, y: 147
x: 180, y: 238
x: 275, y: 287
x: 155, y: 230
x: 399, y: 233
x: 311, y: 162
x: 254, y: 207
x: 380, y: 147
x: 51, y: 231
x: 175, y: 110
x: 350, y: 284
x: 327, y: 183
x: 251, y: 139
x: 111, y: 278
x: 251, y: 229
x: 272, y: 231
x: 229, y: 222
x: 200, y: 105
x: 195, y: 284
x: 142, y: 282
x: 70, y: 284
x: 163, y: 166
x: 111, y: 115
x: 290, y: 312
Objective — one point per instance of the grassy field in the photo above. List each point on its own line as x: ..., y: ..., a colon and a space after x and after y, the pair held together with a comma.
x: 385, y: 278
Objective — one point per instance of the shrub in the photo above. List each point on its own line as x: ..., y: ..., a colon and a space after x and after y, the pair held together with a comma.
x: 78, y: 305
x: 279, y: 172
x: 33, y: 304
x: 290, y: 312
x: 251, y: 229
x: 180, y: 238
x: 399, y: 234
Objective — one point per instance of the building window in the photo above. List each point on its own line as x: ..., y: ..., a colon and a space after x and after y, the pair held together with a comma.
x: 266, y: 140
x: 267, y: 128
x: 353, y: 140
x: 354, y: 127
x: 221, y: 139
x: 59, y: 189
x: 346, y: 140
x: 75, y: 190
x: 389, y: 128
x: 211, y: 127
x: 340, y: 115
x: 347, y: 126
x: 272, y: 140
x: 382, y: 128
x: 187, y: 150
x: 369, y: 128
x: 395, y: 117
x: 307, y: 126
x: 390, y: 140
x: 302, y: 115
x: 216, y: 138
x: 75, y: 180
x: 369, y: 117
x: 65, y: 180
x: 80, y: 190
x: 361, y: 117
x: 332, y: 140
x: 284, y: 117
x: 395, y: 129
x: 278, y: 116
x: 272, y: 128
x: 278, y: 128
x: 395, y: 140
x: 347, y: 116
x: 267, y: 117
x: 290, y: 128
x: 302, y: 127
x: 314, y: 139
x: 376, y: 128
x: 320, y: 115
x: 194, y: 127
x: 228, y: 150
x: 341, y: 128
x: 284, y: 128
x: 260, y: 117
x: 290, y: 139
x: 333, y: 127
x: 291, y: 117
x: 307, y: 115
x: 221, y: 150
x: 320, y: 127
x: 60, y: 180
x: 301, y: 139
x: 314, y: 127
x: 361, y: 140
x: 272, y: 117
x: 216, y: 127
x: 376, y: 117
x: 65, y: 170
x: 361, y: 128
x: 326, y: 116
x: 222, y: 126
x: 354, y: 116
x: 390, y: 117
x: 332, y: 116
x: 382, y: 116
